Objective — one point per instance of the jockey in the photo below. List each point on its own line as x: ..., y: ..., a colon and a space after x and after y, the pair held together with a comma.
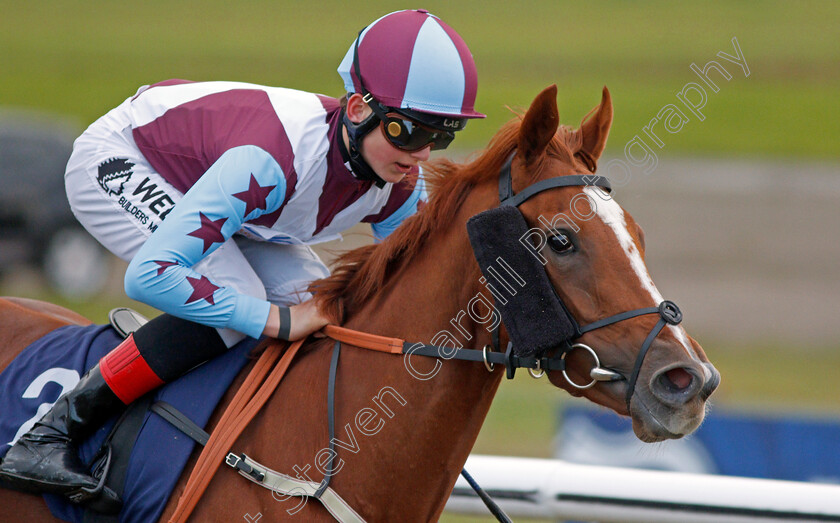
x: 214, y: 191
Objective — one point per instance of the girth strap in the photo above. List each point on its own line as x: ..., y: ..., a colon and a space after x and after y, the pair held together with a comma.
x: 180, y: 421
x: 121, y: 441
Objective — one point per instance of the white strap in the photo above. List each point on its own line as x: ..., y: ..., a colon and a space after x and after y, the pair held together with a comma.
x: 289, y: 486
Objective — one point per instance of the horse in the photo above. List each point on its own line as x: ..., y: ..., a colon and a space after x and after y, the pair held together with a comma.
x: 409, y: 423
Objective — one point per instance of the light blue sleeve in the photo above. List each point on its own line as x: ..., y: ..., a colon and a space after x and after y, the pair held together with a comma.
x: 244, y: 183
x: 384, y: 228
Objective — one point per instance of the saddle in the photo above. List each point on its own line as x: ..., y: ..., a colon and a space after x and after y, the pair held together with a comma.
x: 157, y: 423
x: 114, y: 465
x: 139, y: 456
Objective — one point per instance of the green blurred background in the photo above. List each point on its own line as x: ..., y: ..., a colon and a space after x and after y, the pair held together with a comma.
x: 79, y: 59
x: 82, y: 58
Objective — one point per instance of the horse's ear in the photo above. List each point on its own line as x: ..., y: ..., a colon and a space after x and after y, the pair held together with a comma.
x: 539, y: 124
x: 594, y: 131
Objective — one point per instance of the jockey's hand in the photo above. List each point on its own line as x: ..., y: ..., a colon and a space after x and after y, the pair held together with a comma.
x: 306, y: 319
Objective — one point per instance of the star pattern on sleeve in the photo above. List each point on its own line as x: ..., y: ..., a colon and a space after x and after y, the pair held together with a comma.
x: 210, y: 231
x: 163, y: 265
x: 203, y: 289
x: 256, y: 197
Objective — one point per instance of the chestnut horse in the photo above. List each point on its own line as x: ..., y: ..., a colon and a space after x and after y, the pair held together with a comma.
x: 406, y: 438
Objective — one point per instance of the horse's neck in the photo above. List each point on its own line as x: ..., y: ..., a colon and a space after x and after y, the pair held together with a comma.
x: 446, y: 400
x: 430, y: 293
x: 401, y: 438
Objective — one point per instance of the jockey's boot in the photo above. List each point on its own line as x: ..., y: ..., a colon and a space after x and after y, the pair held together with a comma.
x: 45, y: 459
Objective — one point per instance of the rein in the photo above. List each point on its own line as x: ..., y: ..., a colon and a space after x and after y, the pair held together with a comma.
x: 257, y: 388
x: 668, y: 313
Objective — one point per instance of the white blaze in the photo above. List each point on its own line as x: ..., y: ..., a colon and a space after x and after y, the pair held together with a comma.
x: 613, y: 216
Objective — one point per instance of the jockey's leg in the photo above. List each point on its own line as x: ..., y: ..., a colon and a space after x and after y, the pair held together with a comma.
x: 45, y: 459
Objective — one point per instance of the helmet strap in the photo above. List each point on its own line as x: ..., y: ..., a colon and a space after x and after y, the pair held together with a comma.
x: 355, y: 133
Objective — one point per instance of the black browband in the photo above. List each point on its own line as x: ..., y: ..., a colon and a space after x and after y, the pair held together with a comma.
x: 506, y: 196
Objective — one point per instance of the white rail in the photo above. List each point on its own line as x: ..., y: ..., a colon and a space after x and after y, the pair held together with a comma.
x: 559, y: 490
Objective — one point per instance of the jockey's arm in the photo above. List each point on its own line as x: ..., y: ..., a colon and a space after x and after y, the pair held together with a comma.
x: 234, y: 189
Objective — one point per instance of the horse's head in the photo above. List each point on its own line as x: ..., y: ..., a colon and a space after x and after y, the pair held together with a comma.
x: 593, y: 254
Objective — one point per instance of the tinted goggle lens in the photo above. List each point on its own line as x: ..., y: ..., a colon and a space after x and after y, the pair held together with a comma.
x: 411, y: 136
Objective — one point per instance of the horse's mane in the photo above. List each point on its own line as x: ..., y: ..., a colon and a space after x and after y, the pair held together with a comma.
x: 359, y: 273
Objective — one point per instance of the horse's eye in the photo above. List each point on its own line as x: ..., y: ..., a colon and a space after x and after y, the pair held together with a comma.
x: 560, y: 243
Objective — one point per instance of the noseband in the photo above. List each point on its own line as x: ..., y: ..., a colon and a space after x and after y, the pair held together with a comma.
x: 569, y: 331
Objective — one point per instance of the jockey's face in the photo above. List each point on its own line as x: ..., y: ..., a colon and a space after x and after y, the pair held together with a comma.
x: 389, y: 162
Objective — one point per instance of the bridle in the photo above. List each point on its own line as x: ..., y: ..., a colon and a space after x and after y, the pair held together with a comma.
x: 491, y: 355
x: 668, y: 312
x: 537, y: 365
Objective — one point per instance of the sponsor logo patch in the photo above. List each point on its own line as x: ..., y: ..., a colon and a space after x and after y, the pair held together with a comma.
x: 156, y: 199
x: 113, y: 174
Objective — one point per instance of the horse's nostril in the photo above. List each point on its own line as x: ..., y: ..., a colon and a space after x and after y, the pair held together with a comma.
x: 676, y: 380
x: 676, y: 386
x: 679, y: 385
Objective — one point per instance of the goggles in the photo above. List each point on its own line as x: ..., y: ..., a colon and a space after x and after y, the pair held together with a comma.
x: 406, y: 134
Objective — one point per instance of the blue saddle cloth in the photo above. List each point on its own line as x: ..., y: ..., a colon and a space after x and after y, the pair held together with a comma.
x: 53, y: 365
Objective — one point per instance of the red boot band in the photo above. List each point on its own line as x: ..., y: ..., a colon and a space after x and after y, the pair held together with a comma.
x: 127, y: 373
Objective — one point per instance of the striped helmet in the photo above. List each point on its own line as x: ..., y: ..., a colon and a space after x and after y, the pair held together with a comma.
x: 413, y: 63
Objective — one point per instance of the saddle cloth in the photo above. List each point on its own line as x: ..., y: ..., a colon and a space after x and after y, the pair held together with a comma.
x: 53, y: 365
